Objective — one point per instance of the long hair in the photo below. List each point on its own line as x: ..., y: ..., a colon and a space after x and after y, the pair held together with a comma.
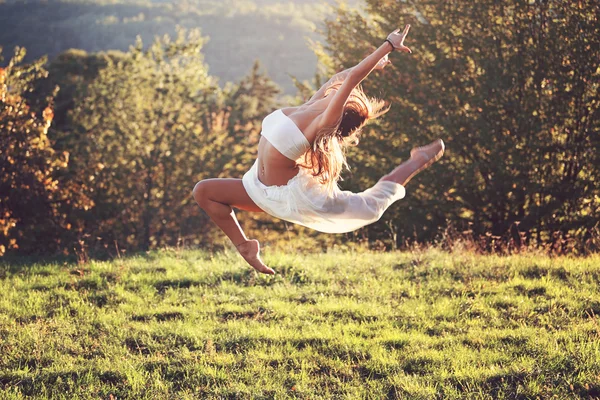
x: 327, y: 157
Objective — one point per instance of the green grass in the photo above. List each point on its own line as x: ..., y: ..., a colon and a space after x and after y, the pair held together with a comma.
x: 191, y: 324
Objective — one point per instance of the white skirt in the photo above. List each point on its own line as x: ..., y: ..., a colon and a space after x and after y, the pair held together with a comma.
x: 304, y: 201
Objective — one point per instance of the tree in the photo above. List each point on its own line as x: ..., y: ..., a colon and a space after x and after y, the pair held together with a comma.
x: 248, y: 103
x: 143, y: 133
x: 33, y: 201
x: 513, y: 89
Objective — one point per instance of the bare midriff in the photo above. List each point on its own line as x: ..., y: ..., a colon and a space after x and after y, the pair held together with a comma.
x: 274, y: 169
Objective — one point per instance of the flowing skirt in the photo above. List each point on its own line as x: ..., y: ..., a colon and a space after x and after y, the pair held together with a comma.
x: 304, y: 201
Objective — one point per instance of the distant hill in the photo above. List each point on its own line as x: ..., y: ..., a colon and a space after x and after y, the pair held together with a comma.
x: 240, y: 31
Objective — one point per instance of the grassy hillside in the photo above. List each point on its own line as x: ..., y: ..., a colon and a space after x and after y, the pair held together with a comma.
x: 192, y: 324
x: 240, y: 31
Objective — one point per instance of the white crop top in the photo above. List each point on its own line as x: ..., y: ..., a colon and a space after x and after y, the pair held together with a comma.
x: 284, y: 135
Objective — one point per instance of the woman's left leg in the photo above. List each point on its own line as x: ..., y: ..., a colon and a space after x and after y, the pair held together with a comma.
x: 420, y: 158
x: 217, y: 197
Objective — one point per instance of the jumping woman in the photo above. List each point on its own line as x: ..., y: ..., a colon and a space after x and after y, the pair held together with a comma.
x: 301, y: 154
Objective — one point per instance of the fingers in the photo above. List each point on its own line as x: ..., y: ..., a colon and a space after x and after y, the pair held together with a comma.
x: 402, y: 36
x: 382, y: 66
x: 405, y: 32
x: 406, y: 29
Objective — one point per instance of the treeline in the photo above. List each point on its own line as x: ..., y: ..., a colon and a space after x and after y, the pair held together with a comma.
x: 100, y: 151
x: 513, y: 88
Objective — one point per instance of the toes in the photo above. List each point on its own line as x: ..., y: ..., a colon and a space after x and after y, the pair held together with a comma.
x: 250, y: 251
x: 429, y: 151
x: 264, y: 269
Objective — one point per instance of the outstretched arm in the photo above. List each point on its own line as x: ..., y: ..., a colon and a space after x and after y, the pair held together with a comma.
x: 340, y: 76
x: 394, y: 41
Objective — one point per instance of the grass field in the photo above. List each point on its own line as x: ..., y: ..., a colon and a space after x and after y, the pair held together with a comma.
x: 191, y: 324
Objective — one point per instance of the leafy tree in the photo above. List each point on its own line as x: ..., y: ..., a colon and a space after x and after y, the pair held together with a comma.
x: 33, y: 201
x: 143, y: 133
x: 141, y: 128
x: 247, y: 103
x: 513, y: 89
x: 72, y: 71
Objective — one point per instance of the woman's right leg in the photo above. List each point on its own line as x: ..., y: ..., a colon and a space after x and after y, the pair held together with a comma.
x: 217, y: 197
x: 420, y: 158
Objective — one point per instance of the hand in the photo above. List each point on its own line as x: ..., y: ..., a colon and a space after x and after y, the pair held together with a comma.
x: 381, y: 64
x: 397, y: 39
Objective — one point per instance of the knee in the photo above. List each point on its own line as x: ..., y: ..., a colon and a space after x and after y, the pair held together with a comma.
x: 200, y: 193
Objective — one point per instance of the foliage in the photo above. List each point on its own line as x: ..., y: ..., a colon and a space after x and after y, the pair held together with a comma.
x: 72, y: 71
x: 396, y: 325
x: 145, y: 127
x: 141, y: 128
x: 512, y: 88
x: 247, y: 103
x: 33, y: 202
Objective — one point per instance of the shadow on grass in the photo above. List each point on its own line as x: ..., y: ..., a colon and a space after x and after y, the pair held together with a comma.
x: 261, y: 314
x: 507, y: 384
x: 182, y: 378
x: 350, y: 315
x: 160, y: 343
x: 166, y: 316
x: 63, y: 381
x: 163, y: 285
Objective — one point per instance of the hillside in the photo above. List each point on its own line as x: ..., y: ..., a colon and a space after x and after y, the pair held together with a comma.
x: 276, y: 33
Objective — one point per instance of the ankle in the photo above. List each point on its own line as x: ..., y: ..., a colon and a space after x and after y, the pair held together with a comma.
x: 242, y: 243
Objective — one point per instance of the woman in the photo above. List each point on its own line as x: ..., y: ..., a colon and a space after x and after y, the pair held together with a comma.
x: 301, y: 156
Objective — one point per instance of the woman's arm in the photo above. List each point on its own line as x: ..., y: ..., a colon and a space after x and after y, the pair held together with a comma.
x: 395, y: 41
x: 340, y: 76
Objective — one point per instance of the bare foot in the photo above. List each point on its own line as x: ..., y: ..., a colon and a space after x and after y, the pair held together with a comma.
x: 428, y: 154
x: 250, y: 251
x: 420, y: 158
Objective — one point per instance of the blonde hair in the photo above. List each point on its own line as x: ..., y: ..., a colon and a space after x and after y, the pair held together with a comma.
x: 327, y: 156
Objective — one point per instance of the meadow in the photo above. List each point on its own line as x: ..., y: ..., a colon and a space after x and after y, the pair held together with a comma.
x: 186, y: 324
